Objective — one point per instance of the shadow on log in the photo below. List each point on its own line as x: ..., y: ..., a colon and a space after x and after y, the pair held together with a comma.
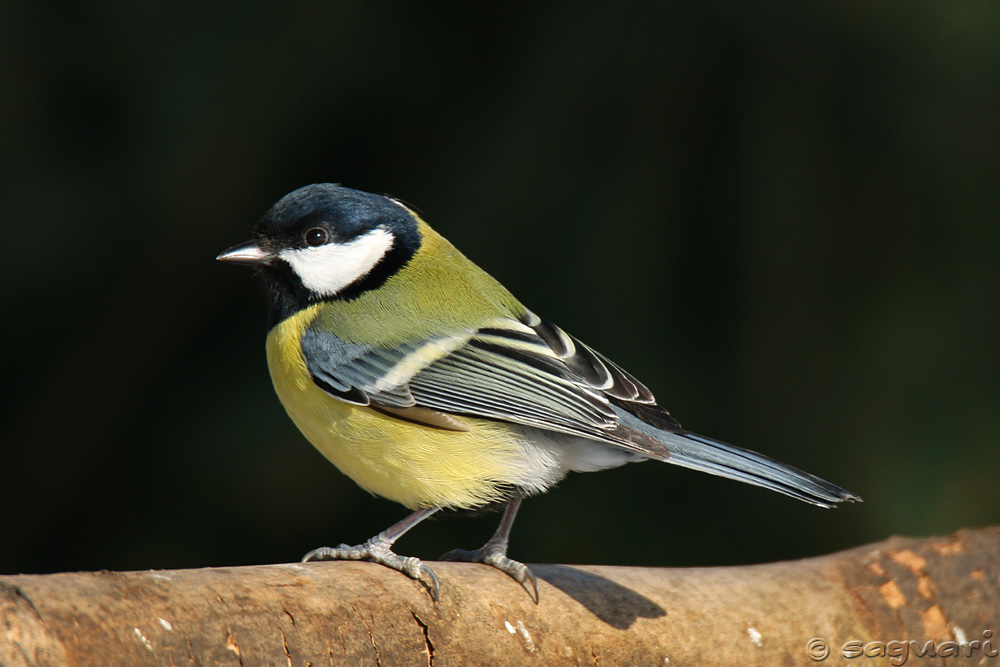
x: 939, y: 598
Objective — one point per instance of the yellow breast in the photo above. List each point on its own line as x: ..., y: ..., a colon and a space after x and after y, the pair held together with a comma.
x: 417, y: 466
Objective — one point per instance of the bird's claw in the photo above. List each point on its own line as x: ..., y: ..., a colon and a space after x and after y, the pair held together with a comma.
x: 381, y: 553
x: 497, y: 557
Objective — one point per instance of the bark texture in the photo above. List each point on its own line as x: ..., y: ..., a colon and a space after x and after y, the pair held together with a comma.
x: 944, y: 590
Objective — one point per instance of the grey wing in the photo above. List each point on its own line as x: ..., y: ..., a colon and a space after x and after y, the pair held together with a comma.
x: 528, y: 372
x: 366, y: 374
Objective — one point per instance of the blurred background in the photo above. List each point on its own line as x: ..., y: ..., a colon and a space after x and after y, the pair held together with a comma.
x: 782, y: 216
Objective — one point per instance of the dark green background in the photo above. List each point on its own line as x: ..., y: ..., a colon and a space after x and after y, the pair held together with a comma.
x: 782, y: 216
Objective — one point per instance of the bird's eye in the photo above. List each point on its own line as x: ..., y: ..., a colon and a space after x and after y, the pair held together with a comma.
x: 317, y: 236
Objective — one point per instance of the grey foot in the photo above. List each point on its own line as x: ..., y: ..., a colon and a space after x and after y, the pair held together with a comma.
x: 497, y: 557
x: 381, y: 553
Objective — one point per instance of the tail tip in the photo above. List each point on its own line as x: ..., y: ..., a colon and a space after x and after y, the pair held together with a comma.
x: 839, y: 496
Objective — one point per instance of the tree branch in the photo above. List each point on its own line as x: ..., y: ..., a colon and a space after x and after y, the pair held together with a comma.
x: 942, y: 589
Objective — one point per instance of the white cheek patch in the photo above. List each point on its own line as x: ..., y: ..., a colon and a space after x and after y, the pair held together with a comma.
x: 329, y: 268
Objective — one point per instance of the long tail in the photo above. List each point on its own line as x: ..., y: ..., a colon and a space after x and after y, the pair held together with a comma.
x: 691, y: 450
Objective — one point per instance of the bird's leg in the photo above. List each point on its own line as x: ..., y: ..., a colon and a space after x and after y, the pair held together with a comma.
x: 494, y: 553
x: 379, y: 550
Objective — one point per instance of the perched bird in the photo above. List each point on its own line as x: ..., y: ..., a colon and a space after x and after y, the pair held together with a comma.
x: 426, y: 382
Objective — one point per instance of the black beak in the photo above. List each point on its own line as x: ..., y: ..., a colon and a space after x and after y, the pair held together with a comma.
x: 246, y: 253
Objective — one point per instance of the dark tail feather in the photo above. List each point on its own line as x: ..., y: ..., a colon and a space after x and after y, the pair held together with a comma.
x: 700, y: 453
x: 718, y: 458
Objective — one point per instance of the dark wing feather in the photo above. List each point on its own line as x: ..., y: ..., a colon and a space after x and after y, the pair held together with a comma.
x: 591, y: 366
x: 528, y: 372
x: 352, y: 372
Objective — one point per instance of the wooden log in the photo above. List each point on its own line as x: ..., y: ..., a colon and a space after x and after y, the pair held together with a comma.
x: 943, y: 590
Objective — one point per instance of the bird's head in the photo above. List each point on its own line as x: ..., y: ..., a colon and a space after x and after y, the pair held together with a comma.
x: 327, y: 242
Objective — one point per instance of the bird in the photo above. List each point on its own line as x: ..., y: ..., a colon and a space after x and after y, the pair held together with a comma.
x: 428, y: 383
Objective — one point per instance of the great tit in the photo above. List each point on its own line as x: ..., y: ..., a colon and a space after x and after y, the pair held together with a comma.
x: 426, y: 382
